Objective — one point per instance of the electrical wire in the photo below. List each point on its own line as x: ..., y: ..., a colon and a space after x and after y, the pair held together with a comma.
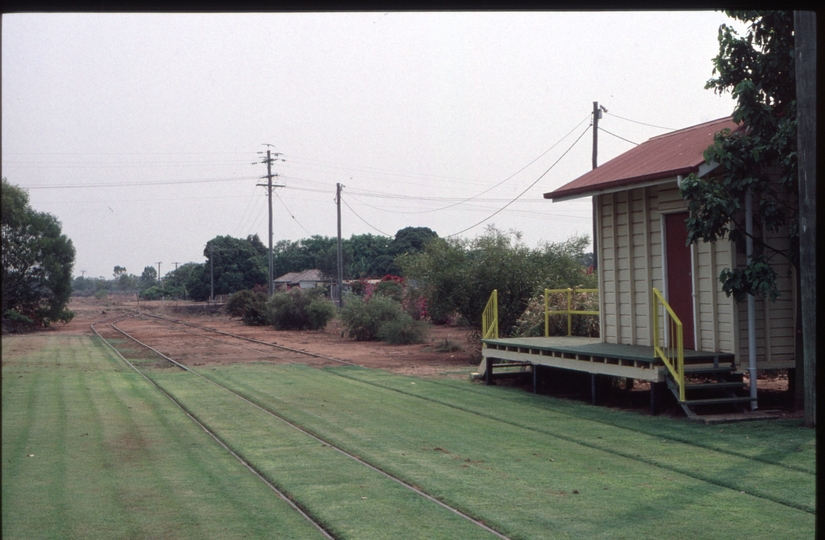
x: 290, y: 213
x: 526, y: 190
x: 364, y: 220
x: 617, y: 136
x: 140, y: 184
x: 637, y: 122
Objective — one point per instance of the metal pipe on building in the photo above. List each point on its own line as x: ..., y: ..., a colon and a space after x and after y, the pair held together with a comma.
x: 751, y: 301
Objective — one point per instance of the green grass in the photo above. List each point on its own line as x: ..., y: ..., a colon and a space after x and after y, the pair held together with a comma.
x: 90, y: 450
x: 535, y: 472
x: 113, y: 458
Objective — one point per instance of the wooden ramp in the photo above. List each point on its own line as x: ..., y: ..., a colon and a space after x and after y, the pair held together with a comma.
x: 507, y: 357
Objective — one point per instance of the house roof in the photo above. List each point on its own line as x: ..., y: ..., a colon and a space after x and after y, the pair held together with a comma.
x: 666, y: 156
x: 293, y: 278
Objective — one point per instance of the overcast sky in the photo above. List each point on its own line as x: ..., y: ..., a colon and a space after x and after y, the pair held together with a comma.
x: 139, y: 131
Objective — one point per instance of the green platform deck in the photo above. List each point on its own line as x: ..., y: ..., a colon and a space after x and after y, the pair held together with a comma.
x: 591, y: 355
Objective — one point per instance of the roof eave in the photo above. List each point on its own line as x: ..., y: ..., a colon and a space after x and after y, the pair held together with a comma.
x: 589, y: 191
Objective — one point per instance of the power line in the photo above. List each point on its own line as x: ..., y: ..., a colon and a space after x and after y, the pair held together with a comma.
x: 290, y: 213
x: 364, y: 220
x: 617, y: 136
x: 526, y: 190
x: 637, y: 122
x: 139, y: 184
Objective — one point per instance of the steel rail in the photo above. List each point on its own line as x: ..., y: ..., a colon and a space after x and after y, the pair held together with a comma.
x: 209, y: 432
x: 355, y: 458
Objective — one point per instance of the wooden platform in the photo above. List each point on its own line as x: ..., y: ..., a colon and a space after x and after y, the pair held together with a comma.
x: 590, y: 355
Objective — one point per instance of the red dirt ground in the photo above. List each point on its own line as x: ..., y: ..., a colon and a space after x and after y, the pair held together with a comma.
x: 422, y: 359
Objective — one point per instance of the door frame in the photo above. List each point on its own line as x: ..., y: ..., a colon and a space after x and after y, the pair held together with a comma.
x: 665, y: 285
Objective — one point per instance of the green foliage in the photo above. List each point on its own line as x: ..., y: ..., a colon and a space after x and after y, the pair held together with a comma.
x: 37, y: 261
x: 299, y: 309
x: 411, y: 240
x: 403, y: 330
x: 152, y: 293
x: 391, y: 289
x: 758, y: 70
x: 237, y: 264
x: 458, y: 276
x: 248, y: 305
x: 382, y: 318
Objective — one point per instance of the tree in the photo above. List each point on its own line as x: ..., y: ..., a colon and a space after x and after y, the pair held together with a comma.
x: 37, y: 262
x: 410, y: 240
x: 459, y: 275
x: 149, y: 278
x: 759, y: 161
x: 118, y: 271
x: 758, y: 70
x: 235, y: 264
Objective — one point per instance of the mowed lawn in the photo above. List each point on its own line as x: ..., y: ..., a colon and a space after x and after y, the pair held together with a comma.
x: 114, y: 458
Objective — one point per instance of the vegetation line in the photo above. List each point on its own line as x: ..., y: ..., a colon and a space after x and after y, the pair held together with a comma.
x: 619, y: 453
x: 293, y: 425
x: 217, y: 439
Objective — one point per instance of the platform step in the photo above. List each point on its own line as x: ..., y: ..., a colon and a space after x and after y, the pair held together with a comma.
x: 707, y: 370
x: 716, y: 401
x: 713, y: 385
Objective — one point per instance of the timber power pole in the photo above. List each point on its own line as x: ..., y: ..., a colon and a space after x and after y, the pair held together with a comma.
x: 340, y: 295
x: 597, y: 113
x: 269, y: 187
x: 161, y: 281
x: 806, y: 63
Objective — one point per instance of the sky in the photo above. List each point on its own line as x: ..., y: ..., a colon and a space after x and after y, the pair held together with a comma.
x: 144, y: 133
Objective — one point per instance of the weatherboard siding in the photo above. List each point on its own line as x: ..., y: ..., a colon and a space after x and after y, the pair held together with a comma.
x: 630, y: 249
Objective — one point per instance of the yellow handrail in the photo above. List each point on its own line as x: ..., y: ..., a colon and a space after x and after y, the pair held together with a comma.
x: 569, y: 311
x: 669, y: 351
x: 489, y: 317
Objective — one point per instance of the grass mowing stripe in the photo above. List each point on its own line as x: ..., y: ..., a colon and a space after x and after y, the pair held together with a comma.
x: 132, y: 466
x: 357, y: 459
x: 350, y: 499
x: 474, y: 463
x: 675, y: 429
x: 705, y: 468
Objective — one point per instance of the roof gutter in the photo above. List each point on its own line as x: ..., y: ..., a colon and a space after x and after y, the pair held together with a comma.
x: 587, y: 191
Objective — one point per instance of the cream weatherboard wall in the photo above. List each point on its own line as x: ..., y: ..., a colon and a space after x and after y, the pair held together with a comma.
x: 630, y: 259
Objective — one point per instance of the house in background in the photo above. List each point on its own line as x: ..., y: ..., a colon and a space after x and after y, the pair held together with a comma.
x: 308, y: 279
x: 640, y: 242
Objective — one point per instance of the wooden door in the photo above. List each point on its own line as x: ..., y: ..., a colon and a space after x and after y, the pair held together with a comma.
x: 680, y: 274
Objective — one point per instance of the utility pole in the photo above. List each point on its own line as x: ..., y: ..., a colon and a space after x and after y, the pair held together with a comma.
x: 211, y: 276
x: 597, y: 113
x: 806, y: 73
x: 269, y: 187
x: 161, y: 281
x: 176, y: 272
x: 340, y: 294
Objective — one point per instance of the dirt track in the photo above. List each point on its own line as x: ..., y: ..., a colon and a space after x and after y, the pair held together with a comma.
x: 190, y: 347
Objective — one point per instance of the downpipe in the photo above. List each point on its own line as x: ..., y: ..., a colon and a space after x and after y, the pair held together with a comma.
x: 751, y: 302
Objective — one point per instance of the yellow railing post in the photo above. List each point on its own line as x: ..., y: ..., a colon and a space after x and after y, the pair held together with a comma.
x: 667, y: 353
x: 489, y: 317
x: 569, y: 311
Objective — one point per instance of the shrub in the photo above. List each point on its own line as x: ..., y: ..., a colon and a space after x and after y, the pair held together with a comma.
x: 320, y: 312
x: 250, y: 306
x: 381, y: 318
x: 390, y: 288
x: 299, y: 309
x: 403, y: 330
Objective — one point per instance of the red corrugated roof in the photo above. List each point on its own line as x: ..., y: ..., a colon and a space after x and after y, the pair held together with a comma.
x: 665, y: 156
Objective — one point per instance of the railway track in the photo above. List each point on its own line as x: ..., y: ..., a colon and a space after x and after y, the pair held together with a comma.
x: 111, y: 331
x: 306, y: 357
